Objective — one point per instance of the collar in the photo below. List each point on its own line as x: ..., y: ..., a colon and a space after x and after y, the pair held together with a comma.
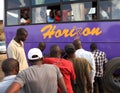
x: 17, y: 43
x: 9, y: 77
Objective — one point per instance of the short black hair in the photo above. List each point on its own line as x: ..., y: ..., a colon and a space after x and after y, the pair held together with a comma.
x: 21, y: 31
x: 9, y: 65
x: 93, y: 46
x: 69, y: 49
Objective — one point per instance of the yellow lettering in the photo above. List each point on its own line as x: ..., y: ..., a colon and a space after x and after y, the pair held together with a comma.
x: 58, y: 33
x: 96, y: 31
x: 86, y: 31
x: 72, y: 32
x: 49, y: 31
x: 65, y: 32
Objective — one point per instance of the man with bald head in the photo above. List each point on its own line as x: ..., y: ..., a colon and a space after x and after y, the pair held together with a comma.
x: 16, y: 48
x: 66, y: 67
x: 42, y: 46
x: 10, y: 67
x: 82, y: 53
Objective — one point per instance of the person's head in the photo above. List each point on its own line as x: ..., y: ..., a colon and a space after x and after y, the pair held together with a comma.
x: 70, y: 50
x: 55, y: 51
x: 77, y: 44
x: 21, y: 34
x: 42, y: 46
x: 10, y: 66
x: 51, y: 14
x: 93, y: 47
x: 35, y: 56
x: 57, y: 12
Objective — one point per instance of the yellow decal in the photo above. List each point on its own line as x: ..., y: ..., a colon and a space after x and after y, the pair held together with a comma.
x: 50, y: 31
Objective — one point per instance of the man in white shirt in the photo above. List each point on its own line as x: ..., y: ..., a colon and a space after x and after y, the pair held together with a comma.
x: 10, y: 68
x: 16, y: 48
x: 81, y: 53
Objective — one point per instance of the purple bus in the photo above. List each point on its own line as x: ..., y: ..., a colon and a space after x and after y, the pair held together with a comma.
x: 62, y: 21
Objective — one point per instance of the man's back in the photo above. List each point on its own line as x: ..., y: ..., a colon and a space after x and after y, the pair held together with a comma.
x: 39, y: 79
x: 100, y: 60
x: 66, y: 68
x: 81, y: 53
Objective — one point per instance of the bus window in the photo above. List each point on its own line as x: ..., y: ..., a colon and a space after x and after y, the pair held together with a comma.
x: 78, y: 11
x: 39, y: 15
x: 24, y: 16
x: 115, y: 9
x: 13, y: 17
x: 53, y: 13
x: 17, y: 3
x: 50, y: 15
x: 104, y: 10
x: 38, y: 2
x: 70, y: 0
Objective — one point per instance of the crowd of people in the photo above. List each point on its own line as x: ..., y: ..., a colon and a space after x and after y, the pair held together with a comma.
x: 78, y: 71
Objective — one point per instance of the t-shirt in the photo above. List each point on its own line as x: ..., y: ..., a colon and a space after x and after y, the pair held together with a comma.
x: 66, y: 68
x: 7, y: 81
x: 39, y: 79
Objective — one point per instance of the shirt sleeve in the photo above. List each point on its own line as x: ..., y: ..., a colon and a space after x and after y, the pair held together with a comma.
x: 105, y: 60
x: 20, y: 78
x: 59, y: 74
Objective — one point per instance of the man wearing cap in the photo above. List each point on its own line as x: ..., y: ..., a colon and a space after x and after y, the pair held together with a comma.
x: 39, y: 78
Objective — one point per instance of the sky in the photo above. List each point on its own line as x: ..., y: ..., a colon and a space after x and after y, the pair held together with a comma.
x: 1, y: 9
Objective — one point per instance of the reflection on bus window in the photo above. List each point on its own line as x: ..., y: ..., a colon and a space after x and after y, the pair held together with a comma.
x: 104, y: 10
x: 37, y: 2
x: 39, y: 15
x: 78, y: 11
x: 17, y: 3
x: 116, y: 9
x: 70, y: 0
x: 24, y: 18
x: 13, y: 17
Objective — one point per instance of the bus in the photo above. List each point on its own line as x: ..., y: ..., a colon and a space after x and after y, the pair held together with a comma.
x: 62, y: 21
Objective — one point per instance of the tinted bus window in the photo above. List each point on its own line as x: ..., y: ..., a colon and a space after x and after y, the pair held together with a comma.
x: 78, y: 11
x: 53, y: 13
x: 109, y: 10
x: 37, y: 2
x: 39, y: 15
x: 13, y: 17
x: 25, y: 16
x: 17, y: 3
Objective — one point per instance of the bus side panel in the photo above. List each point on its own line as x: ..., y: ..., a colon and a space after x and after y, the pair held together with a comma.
x: 105, y: 34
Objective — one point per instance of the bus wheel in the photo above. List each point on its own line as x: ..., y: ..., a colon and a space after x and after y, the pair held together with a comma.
x: 112, y: 75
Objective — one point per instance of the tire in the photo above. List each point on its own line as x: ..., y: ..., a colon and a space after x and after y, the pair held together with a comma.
x: 112, y: 75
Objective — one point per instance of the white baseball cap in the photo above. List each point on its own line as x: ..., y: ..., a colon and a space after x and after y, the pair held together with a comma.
x: 34, y: 54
